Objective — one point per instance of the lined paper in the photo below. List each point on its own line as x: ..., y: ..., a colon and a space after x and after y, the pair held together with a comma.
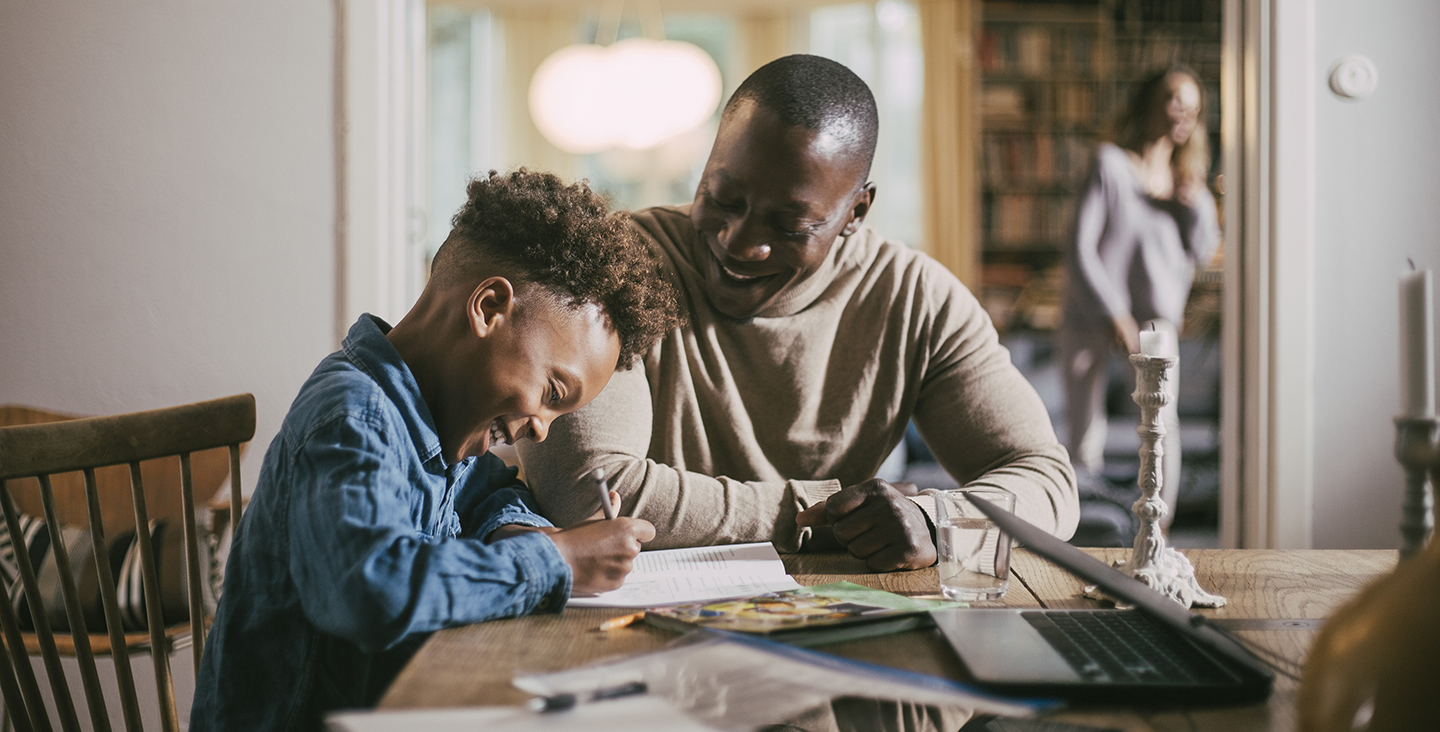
x: 697, y: 574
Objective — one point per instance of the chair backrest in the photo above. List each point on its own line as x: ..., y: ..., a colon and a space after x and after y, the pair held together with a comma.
x: 42, y: 450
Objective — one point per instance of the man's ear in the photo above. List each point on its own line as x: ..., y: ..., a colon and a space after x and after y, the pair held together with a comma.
x: 859, y: 208
x: 491, y: 304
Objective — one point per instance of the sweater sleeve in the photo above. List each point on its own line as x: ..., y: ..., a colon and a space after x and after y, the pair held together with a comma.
x: 982, y: 419
x: 687, y: 508
x: 1091, y: 217
x: 1200, y: 228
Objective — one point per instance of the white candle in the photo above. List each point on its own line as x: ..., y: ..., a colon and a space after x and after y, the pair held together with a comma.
x: 1154, y: 343
x: 1417, y: 345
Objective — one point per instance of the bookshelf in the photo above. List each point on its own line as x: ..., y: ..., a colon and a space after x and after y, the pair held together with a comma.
x: 1053, y: 76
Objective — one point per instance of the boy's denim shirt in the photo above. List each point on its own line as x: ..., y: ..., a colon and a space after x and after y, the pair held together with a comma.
x: 359, y: 540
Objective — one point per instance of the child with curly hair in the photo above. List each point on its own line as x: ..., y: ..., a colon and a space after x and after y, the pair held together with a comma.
x: 380, y: 514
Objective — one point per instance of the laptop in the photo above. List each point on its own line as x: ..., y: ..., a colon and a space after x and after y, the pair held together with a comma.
x: 1157, y: 653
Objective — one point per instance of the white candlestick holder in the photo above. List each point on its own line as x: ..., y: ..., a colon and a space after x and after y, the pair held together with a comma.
x: 1152, y: 562
x: 1414, y: 448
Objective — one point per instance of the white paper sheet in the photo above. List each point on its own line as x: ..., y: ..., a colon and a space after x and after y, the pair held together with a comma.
x: 697, y: 574
x: 733, y: 682
x: 640, y: 714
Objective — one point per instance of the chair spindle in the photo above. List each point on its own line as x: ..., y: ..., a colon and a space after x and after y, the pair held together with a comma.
x: 10, y: 690
x: 154, y: 611
x: 89, y: 677
x: 192, y: 561
x: 114, y: 624
x: 26, y: 693
x: 234, y: 490
x: 63, y: 703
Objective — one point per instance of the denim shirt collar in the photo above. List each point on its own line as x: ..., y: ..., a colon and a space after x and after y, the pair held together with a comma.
x: 367, y: 347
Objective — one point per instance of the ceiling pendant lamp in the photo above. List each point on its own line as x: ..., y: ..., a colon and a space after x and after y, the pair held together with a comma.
x: 638, y: 93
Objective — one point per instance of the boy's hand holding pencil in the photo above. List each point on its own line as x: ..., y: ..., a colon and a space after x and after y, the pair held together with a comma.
x: 600, y: 550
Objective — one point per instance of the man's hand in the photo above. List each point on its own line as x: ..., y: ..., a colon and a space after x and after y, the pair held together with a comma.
x: 877, y: 523
x: 600, y: 552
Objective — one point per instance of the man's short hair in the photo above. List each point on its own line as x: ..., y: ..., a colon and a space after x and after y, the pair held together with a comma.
x: 533, y: 228
x: 818, y: 94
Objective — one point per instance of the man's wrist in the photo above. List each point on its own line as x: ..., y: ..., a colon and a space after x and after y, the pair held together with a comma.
x: 926, y: 504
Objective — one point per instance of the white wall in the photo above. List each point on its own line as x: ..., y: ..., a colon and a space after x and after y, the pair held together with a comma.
x: 1377, y: 202
x: 167, y: 203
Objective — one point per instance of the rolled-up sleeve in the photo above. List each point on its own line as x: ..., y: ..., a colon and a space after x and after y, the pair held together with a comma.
x: 493, y: 496
x: 362, y: 570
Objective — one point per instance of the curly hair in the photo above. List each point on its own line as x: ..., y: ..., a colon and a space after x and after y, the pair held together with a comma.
x: 563, y: 238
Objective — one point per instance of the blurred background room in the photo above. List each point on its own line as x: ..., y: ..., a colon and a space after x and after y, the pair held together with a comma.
x: 197, y: 200
x: 1047, y: 80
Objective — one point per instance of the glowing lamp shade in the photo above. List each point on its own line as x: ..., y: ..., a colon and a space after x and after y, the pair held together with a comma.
x: 637, y: 93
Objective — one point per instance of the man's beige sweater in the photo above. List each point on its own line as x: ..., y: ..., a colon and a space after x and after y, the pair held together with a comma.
x: 728, y: 428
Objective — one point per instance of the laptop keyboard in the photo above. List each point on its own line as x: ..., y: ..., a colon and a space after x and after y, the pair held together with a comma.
x: 1124, y: 646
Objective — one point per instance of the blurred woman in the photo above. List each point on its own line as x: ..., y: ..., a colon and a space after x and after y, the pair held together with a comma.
x: 1144, y: 222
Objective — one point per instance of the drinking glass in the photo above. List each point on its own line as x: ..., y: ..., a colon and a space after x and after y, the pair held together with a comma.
x: 974, y: 552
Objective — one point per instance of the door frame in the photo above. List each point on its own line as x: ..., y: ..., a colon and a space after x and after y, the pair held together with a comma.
x: 380, y: 89
x: 1268, y: 87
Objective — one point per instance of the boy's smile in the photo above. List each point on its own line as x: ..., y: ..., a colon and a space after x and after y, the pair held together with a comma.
x: 497, y: 363
x: 544, y: 359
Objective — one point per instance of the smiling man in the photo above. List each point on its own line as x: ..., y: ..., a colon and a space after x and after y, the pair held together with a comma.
x: 812, y: 342
x: 380, y: 515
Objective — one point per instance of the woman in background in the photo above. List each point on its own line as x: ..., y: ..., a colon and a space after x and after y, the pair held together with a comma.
x: 1144, y: 222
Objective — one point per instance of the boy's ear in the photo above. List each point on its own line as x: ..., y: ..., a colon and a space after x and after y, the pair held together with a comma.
x: 491, y: 304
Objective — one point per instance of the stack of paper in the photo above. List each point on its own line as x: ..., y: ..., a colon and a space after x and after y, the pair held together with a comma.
x: 698, y: 574
x: 732, y: 681
x: 640, y: 714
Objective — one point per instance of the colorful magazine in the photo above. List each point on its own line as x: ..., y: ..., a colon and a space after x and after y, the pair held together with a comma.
x: 819, y: 608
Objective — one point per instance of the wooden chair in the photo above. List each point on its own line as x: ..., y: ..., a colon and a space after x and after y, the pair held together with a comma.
x: 43, y: 450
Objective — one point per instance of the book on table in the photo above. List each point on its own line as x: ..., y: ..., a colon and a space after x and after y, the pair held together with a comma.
x: 805, y: 616
x: 696, y: 574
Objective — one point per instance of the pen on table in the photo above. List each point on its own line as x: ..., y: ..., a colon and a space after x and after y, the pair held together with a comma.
x: 603, y: 488
x: 561, y: 702
x: 620, y: 621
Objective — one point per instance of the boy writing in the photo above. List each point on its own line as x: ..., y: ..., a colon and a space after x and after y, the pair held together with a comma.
x: 379, y: 515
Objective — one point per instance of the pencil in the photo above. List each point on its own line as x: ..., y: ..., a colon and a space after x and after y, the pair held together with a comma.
x: 621, y: 621
x: 603, y: 488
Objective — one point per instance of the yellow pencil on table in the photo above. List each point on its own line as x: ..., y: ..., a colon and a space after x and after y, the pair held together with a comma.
x: 621, y: 621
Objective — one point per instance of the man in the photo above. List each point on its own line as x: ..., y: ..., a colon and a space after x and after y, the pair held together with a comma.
x: 373, y: 522
x: 812, y: 342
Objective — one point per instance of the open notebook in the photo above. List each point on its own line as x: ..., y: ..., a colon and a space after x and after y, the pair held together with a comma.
x: 697, y: 574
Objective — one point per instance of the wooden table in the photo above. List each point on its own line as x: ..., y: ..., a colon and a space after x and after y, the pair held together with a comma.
x: 1276, y: 599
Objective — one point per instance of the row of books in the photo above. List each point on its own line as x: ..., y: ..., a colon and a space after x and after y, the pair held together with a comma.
x: 1072, y: 103
x: 1036, y: 50
x: 1138, y: 56
x: 1039, y: 51
x: 1027, y: 220
x: 1012, y: 158
x: 1028, y: 299
x: 1169, y: 11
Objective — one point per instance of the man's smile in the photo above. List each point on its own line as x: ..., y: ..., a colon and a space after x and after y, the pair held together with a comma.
x: 743, y: 278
